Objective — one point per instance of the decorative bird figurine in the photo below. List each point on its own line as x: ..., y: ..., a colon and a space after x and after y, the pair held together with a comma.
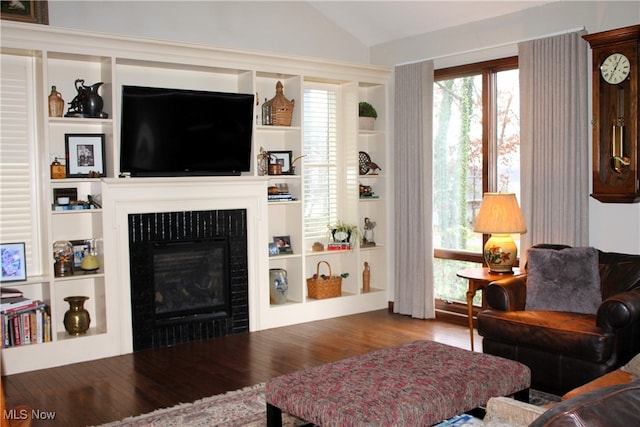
x: 374, y: 168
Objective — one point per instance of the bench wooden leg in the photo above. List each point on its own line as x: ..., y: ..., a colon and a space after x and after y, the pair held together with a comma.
x: 274, y: 416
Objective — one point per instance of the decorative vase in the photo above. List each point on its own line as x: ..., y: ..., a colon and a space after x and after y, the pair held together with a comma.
x: 92, y: 102
x: 63, y: 258
x: 56, y: 103
x: 278, y: 285
x: 366, y: 278
x: 281, y: 108
x: 87, y: 103
x: 76, y: 319
x: 367, y: 123
x: 266, y: 113
x: 341, y: 236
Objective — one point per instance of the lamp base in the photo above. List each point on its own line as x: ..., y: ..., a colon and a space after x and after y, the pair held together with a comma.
x: 500, y: 253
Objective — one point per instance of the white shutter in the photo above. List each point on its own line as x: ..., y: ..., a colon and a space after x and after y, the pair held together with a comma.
x: 320, y: 162
x: 17, y: 190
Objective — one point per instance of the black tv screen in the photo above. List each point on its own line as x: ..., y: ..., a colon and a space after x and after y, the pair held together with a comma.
x: 178, y: 132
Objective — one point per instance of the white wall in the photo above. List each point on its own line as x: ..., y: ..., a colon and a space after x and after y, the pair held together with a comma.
x: 497, y: 37
x: 612, y: 227
x: 291, y: 27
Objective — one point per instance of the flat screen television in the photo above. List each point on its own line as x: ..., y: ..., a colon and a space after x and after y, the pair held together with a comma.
x: 178, y: 132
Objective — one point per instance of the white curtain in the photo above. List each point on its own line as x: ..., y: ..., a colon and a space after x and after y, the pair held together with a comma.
x: 554, y: 140
x: 412, y: 148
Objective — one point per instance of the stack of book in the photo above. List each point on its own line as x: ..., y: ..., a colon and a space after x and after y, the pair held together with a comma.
x: 280, y: 197
x: 339, y: 246
x: 24, y: 321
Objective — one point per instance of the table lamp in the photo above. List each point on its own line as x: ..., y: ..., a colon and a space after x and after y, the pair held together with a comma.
x: 500, y: 216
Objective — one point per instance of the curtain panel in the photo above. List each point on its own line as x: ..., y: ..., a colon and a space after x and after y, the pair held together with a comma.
x: 554, y: 140
x: 412, y: 177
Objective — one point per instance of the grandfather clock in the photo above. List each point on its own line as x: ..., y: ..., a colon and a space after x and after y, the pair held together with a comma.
x: 616, y: 157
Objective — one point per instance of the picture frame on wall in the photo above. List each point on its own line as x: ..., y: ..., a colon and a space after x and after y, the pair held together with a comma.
x: 14, y: 265
x: 85, y: 155
x: 283, y: 158
x: 31, y: 11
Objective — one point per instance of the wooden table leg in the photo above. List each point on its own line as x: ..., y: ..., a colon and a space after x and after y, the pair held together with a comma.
x: 470, y: 294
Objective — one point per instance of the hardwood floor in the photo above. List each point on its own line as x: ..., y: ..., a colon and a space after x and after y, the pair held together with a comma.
x: 113, y: 388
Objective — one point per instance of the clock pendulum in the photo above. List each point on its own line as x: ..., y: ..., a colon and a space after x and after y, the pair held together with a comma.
x: 619, y: 158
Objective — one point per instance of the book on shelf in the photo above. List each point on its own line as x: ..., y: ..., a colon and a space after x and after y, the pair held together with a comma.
x: 10, y: 293
x: 14, y: 303
x: 80, y: 207
x: 339, y: 246
x: 26, y: 326
x: 280, y: 196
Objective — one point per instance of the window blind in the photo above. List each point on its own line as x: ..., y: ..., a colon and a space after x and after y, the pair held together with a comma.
x: 17, y: 191
x: 320, y: 162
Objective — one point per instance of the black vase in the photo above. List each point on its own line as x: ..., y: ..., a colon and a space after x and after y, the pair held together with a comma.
x: 92, y: 102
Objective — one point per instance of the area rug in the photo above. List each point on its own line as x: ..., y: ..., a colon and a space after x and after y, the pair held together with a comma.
x: 247, y: 408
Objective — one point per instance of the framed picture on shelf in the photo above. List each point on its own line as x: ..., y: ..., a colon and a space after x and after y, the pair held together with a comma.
x: 31, y: 11
x: 14, y: 266
x: 85, y: 155
x: 283, y: 158
x: 284, y: 244
x: 273, y: 249
x: 71, y: 193
x: 81, y: 248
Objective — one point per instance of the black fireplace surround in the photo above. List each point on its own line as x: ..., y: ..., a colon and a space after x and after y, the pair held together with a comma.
x: 189, y: 276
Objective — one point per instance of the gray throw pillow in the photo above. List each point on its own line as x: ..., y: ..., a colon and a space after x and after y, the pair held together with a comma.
x: 633, y: 367
x: 563, y: 280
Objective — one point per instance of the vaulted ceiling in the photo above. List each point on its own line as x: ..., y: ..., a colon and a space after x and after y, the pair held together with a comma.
x: 376, y: 22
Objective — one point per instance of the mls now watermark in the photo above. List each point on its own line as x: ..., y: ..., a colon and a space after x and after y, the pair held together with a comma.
x: 25, y: 414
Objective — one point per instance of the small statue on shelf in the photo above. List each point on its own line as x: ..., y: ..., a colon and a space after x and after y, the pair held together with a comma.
x: 367, y: 236
x: 374, y: 168
x: 87, y: 103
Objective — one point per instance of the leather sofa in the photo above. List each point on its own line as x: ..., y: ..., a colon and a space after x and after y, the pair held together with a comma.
x: 564, y: 349
x: 612, y: 406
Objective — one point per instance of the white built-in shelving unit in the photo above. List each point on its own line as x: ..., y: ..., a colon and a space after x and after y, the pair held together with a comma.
x: 61, y: 56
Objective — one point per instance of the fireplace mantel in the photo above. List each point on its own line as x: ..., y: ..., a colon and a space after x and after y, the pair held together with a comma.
x: 124, y: 196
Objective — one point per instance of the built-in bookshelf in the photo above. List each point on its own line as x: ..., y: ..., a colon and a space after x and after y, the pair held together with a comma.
x: 62, y: 56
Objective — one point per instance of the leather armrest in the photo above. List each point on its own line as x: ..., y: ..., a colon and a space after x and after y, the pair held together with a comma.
x: 507, y: 294
x: 619, y: 310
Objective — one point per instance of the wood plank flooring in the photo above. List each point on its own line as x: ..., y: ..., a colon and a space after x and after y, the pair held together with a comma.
x: 113, y: 388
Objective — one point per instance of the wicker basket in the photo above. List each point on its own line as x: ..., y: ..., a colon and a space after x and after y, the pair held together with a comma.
x: 281, y: 107
x: 320, y: 288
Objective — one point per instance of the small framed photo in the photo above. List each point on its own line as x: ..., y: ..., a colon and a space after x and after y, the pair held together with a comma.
x: 273, y: 249
x: 284, y: 244
x: 85, y: 155
x: 81, y: 248
x: 14, y: 266
x: 283, y: 158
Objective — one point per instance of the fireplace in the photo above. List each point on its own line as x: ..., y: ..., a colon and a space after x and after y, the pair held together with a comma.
x: 189, y: 276
x: 191, y: 280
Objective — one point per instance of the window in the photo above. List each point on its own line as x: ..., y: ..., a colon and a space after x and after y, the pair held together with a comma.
x: 18, y: 219
x: 476, y: 150
x: 321, y: 159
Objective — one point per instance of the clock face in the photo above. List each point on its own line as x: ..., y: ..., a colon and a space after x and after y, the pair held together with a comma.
x: 615, y: 68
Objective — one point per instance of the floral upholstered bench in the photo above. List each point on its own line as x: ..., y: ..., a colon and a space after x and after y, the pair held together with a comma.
x: 419, y: 383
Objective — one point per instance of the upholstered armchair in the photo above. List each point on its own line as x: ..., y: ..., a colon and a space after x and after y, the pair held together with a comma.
x: 574, y: 315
